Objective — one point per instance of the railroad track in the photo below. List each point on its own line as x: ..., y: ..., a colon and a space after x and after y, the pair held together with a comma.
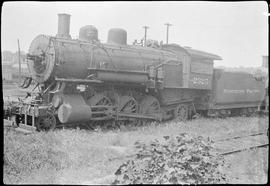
x: 241, y: 150
x: 237, y: 137
x: 250, y: 140
x: 101, y: 180
x: 223, y: 152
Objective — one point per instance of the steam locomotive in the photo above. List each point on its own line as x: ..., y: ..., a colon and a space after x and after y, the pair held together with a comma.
x: 85, y: 81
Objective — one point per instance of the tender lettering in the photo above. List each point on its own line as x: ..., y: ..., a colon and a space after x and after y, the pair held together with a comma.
x: 234, y: 91
x: 199, y: 81
x: 241, y: 91
x: 252, y: 91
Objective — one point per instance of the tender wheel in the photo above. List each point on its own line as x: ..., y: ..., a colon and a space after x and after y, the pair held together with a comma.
x: 181, y: 112
x: 46, y: 123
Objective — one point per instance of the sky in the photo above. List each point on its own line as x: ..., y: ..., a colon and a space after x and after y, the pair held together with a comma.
x: 236, y: 31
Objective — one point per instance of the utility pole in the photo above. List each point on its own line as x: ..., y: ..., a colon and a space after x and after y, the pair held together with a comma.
x: 145, y: 34
x: 167, y: 38
x: 19, y: 60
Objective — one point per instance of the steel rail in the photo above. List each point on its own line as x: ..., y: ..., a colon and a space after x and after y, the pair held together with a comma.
x: 244, y: 149
x: 220, y: 154
x: 237, y: 137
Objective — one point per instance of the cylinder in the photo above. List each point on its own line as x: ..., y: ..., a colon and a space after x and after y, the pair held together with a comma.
x: 74, y: 109
x: 63, y: 26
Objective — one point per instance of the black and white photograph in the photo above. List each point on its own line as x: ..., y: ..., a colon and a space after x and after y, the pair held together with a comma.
x: 135, y: 92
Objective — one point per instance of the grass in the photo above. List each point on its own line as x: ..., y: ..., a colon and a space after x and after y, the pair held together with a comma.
x: 249, y: 167
x: 52, y: 153
x: 78, y: 156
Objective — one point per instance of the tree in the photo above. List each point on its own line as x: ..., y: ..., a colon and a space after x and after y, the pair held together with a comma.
x: 22, y: 55
x: 7, y: 56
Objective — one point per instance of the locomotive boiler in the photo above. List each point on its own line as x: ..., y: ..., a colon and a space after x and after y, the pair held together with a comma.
x: 86, y: 81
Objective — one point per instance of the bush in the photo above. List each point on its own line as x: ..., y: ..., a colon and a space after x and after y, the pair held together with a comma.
x: 177, y: 160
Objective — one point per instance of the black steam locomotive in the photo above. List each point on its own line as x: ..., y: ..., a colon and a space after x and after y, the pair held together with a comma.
x: 85, y: 81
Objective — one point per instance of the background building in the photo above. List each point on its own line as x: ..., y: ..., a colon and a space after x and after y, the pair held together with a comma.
x: 265, y: 61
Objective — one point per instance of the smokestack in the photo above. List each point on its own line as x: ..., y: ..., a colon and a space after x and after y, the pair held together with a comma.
x: 63, y: 26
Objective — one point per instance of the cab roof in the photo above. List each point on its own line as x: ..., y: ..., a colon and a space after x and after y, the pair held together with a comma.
x: 192, y: 52
x: 202, y: 54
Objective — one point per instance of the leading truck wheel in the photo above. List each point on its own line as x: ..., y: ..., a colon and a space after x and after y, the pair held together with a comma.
x: 181, y: 112
x: 46, y: 123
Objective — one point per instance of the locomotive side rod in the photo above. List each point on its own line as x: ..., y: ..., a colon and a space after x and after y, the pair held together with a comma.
x: 136, y: 116
x: 119, y: 114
